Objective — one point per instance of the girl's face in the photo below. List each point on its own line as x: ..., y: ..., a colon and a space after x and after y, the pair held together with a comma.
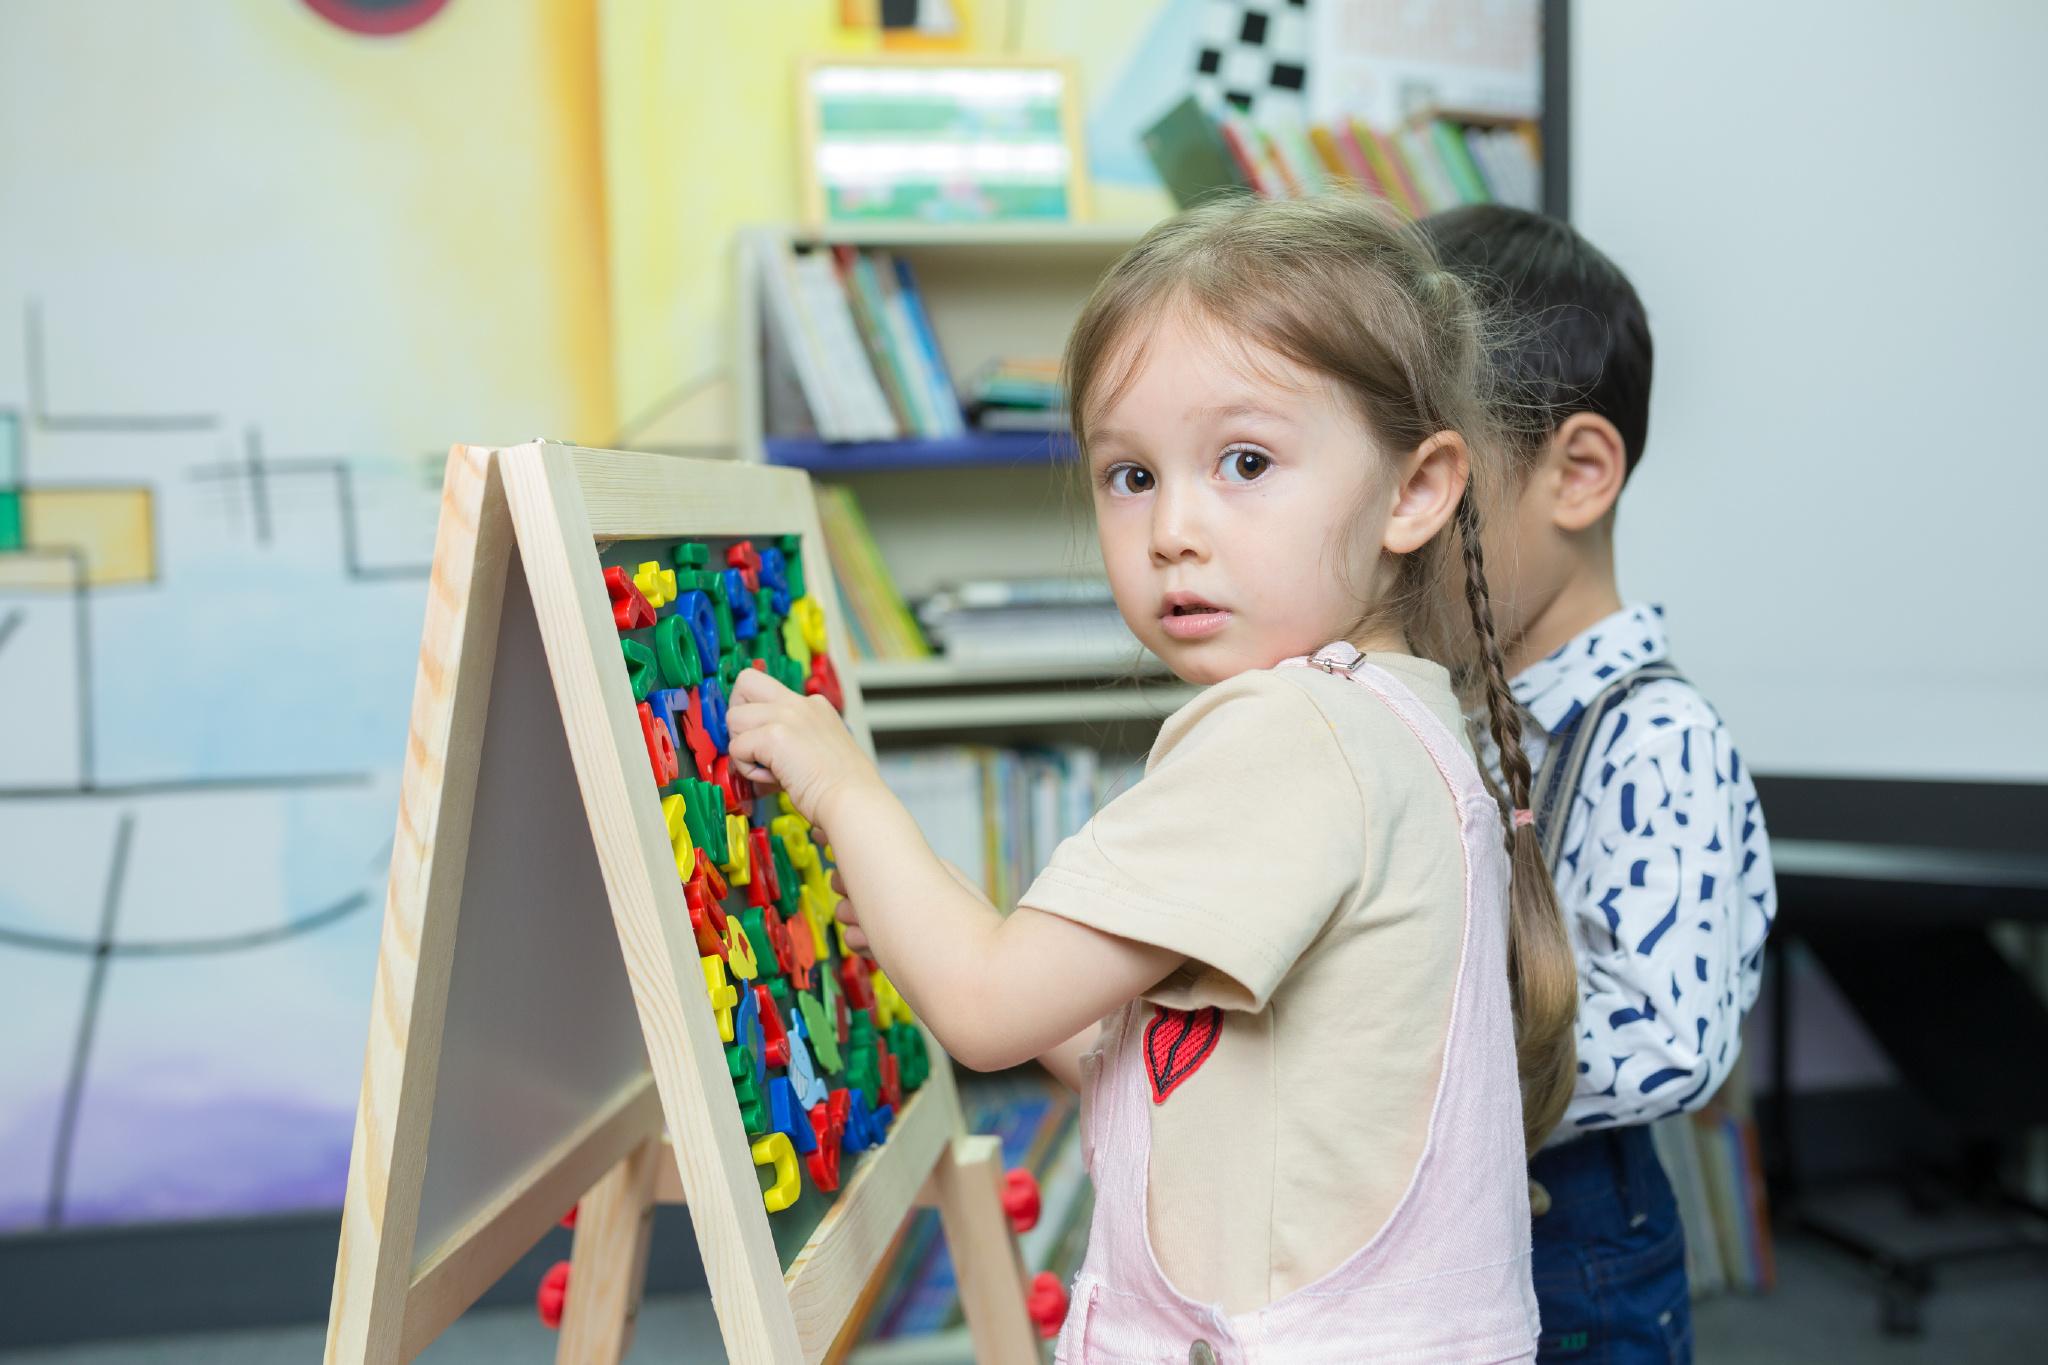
x: 1228, y: 500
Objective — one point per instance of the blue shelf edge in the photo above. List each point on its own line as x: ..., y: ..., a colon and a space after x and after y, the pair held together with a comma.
x: 860, y: 457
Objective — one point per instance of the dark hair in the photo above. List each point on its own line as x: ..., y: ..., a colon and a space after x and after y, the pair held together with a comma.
x: 1571, y: 337
x: 1345, y: 290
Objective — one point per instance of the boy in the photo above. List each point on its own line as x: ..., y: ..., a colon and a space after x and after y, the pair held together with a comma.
x: 1647, y: 815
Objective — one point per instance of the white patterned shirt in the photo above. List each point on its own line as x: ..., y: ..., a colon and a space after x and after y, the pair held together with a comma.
x: 1664, y: 876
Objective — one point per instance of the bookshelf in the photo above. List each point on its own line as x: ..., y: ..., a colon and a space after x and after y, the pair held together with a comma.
x: 868, y: 457
x: 935, y: 696
x: 984, y: 504
x: 991, y: 290
x: 952, y: 713
x: 887, y: 675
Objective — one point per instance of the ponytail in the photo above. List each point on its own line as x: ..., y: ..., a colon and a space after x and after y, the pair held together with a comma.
x: 1542, y: 973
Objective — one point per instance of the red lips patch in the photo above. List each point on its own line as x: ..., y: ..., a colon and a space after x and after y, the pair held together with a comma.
x: 1177, y: 1042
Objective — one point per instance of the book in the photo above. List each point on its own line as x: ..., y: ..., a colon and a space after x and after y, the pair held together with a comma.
x: 1678, y: 1151
x: 1246, y: 149
x: 1029, y: 620
x: 1025, y: 380
x: 1723, y: 1196
x: 1189, y: 151
x: 1756, y: 1205
x: 844, y: 355
x: 1309, y: 171
x: 1036, y: 1121
x: 1388, y: 167
x: 907, y: 303
x: 1048, y: 420
x: 1274, y: 155
x: 1339, y: 172
x: 885, y: 302
x: 1425, y: 169
x: 1508, y: 160
x: 1344, y: 134
x: 869, y: 590
x: 1456, y: 159
x: 941, y: 787
x: 868, y: 639
x: 785, y: 403
x: 987, y: 594
x: 793, y: 337
x: 866, y: 307
x: 1037, y: 634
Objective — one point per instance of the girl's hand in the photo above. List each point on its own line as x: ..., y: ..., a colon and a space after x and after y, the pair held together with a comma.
x: 849, y: 917
x: 800, y: 744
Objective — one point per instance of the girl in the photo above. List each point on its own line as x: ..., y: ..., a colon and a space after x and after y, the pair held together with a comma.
x: 1301, y: 1107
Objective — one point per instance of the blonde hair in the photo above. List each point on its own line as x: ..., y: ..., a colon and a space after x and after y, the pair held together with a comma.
x: 1349, y: 293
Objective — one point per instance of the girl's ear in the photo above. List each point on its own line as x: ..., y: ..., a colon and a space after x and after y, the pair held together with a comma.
x: 1431, y: 480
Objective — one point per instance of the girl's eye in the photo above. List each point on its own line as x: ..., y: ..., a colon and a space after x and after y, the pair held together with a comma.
x: 1126, y: 479
x: 1242, y: 464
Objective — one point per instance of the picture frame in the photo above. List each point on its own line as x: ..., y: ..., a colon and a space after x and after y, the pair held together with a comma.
x: 940, y: 139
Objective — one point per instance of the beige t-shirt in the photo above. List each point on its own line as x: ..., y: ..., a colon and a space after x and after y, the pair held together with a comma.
x: 1293, y: 838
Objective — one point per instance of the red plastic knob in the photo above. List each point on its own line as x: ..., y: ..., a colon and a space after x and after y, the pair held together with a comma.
x: 554, y: 1290
x: 1020, y: 1200
x: 1046, y: 1302
x: 569, y: 1218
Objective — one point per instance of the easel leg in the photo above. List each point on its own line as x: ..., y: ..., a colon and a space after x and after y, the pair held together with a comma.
x: 608, y: 1266
x: 969, y: 1185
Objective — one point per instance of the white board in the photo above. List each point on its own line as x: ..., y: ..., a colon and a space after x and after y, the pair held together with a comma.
x: 519, y: 1074
x: 1834, y: 214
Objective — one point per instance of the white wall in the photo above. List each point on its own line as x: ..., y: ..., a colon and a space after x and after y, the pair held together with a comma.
x: 1837, y: 217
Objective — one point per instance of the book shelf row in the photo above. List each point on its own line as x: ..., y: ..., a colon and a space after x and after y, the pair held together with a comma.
x: 851, y: 351
x: 1421, y: 166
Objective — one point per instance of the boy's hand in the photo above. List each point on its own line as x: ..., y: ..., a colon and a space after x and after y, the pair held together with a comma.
x: 799, y: 744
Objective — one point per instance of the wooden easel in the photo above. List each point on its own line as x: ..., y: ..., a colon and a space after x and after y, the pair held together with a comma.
x: 539, y: 1019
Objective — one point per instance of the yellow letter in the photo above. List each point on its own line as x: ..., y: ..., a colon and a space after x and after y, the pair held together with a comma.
x: 724, y: 998
x: 679, y: 836
x: 775, y: 1150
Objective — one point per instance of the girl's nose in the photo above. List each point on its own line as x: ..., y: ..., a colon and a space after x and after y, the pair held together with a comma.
x: 1176, y: 527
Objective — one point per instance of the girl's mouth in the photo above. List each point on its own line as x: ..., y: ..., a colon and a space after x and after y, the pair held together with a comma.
x: 1191, y: 620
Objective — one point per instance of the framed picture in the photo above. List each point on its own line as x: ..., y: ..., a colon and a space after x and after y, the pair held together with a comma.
x: 938, y: 138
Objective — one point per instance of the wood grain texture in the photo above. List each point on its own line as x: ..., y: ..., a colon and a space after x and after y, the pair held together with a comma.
x: 451, y: 690
x: 985, y: 1261
x: 608, y: 1266
x: 546, y: 492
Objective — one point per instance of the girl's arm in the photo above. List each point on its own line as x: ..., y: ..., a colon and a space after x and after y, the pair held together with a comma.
x: 995, y: 990
x: 1062, y: 1062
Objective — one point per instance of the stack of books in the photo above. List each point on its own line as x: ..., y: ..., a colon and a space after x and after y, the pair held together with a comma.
x: 997, y: 813
x: 1038, y: 1122
x: 1017, y: 394
x: 1428, y: 163
x: 1716, y: 1173
x: 1026, y: 620
x: 879, y: 624
x: 849, y: 352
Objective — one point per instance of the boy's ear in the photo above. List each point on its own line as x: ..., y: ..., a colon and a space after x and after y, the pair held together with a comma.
x: 1432, y: 479
x: 1586, y: 465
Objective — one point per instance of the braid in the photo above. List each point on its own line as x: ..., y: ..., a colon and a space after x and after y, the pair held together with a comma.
x: 1543, y: 976
x: 1504, y: 716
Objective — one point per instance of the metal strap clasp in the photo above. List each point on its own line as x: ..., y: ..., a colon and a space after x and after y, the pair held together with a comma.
x: 1340, y: 656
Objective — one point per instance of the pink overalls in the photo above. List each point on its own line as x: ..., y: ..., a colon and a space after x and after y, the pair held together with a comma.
x: 1447, y: 1278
